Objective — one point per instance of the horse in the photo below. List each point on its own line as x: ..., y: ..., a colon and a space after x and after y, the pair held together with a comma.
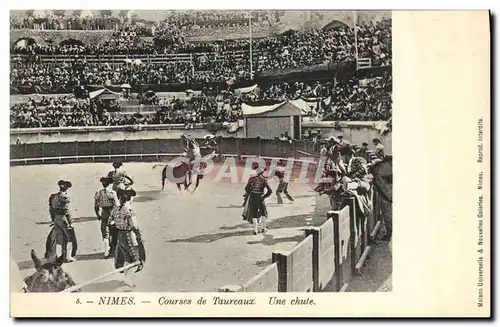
x: 48, y: 277
x: 181, y: 172
x: 382, y: 178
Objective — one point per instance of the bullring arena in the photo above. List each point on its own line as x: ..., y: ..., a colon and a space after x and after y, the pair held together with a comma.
x: 193, y: 240
x: 88, y: 87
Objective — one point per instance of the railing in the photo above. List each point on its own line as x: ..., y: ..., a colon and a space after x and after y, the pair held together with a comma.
x: 145, y: 58
x: 326, y: 259
x: 363, y: 63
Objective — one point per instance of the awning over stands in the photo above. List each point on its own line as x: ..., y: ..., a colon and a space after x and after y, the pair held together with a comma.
x: 255, y: 110
x: 104, y: 94
x: 249, y: 110
x: 304, y: 106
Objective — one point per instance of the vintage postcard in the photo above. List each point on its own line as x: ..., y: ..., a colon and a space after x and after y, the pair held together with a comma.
x: 239, y: 163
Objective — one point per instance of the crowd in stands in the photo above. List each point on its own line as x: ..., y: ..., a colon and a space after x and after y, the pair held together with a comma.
x: 80, y: 72
x: 293, y: 49
x: 370, y: 100
x: 50, y: 113
x: 367, y: 99
x: 292, y: 91
x: 209, y: 107
x: 200, y: 109
x: 290, y: 49
x: 107, y: 20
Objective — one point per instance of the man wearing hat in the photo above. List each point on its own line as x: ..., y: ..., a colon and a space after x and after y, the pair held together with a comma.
x: 104, y: 201
x: 334, y: 171
x: 253, y: 174
x: 61, y: 239
x: 363, y: 152
x: 332, y: 143
x: 282, y: 186
x: 317, y: 139
x: 121, y: 180
x: 255, y: 210
x: 348, y: 154
x: 211, y: 144
x: 379, y: 152
x: 341, y: 141
x: 345, y: 148
x: 323, y: 151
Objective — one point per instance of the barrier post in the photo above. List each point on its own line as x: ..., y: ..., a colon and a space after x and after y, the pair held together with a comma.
x: 376, y: 214
x: 315, y: 256
x: 260, y: 146
x: 281, y: 259
x: 352, y: 227
x: 363, y: 231
x: 141, y: 142
x: 43, y: 152
x: 365, y: 248
x: 375, y: 205
x: 338, y: 251
x: 294, y: 149
x: 219, y: 147
x: 125, y: 148
x: 157, y: 148
x: 109, y: 150
x: 25, y: 153
x: 59, y: 150
x: 238, y: 150
x: 93, y: 150
x: 77, y: 150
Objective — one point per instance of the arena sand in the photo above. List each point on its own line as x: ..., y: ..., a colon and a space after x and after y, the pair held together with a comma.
x: 194, y: 242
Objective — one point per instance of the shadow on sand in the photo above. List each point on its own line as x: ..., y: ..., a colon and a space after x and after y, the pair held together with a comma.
x: 263, y: 263
x: 148, y: 196
x: 75, y: 220
x: 271, y: 240
x: 285, y: 222
x: 90, y: 256
x: 23, y: 265
x: 107, y: 286
x: 231, y: 206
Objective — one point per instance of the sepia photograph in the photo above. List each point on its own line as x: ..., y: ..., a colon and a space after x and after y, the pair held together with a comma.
x: 201, y: 151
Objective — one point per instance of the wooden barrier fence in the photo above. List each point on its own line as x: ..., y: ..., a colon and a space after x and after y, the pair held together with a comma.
x: 147, y: 150
x: 327, y: 258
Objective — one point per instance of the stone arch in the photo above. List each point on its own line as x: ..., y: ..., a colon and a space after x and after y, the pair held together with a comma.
x: 23, y: 42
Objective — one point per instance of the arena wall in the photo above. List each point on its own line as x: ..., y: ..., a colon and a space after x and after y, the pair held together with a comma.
x: 151, y: 150
x: 355, y: 132
x: 57, y: 36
